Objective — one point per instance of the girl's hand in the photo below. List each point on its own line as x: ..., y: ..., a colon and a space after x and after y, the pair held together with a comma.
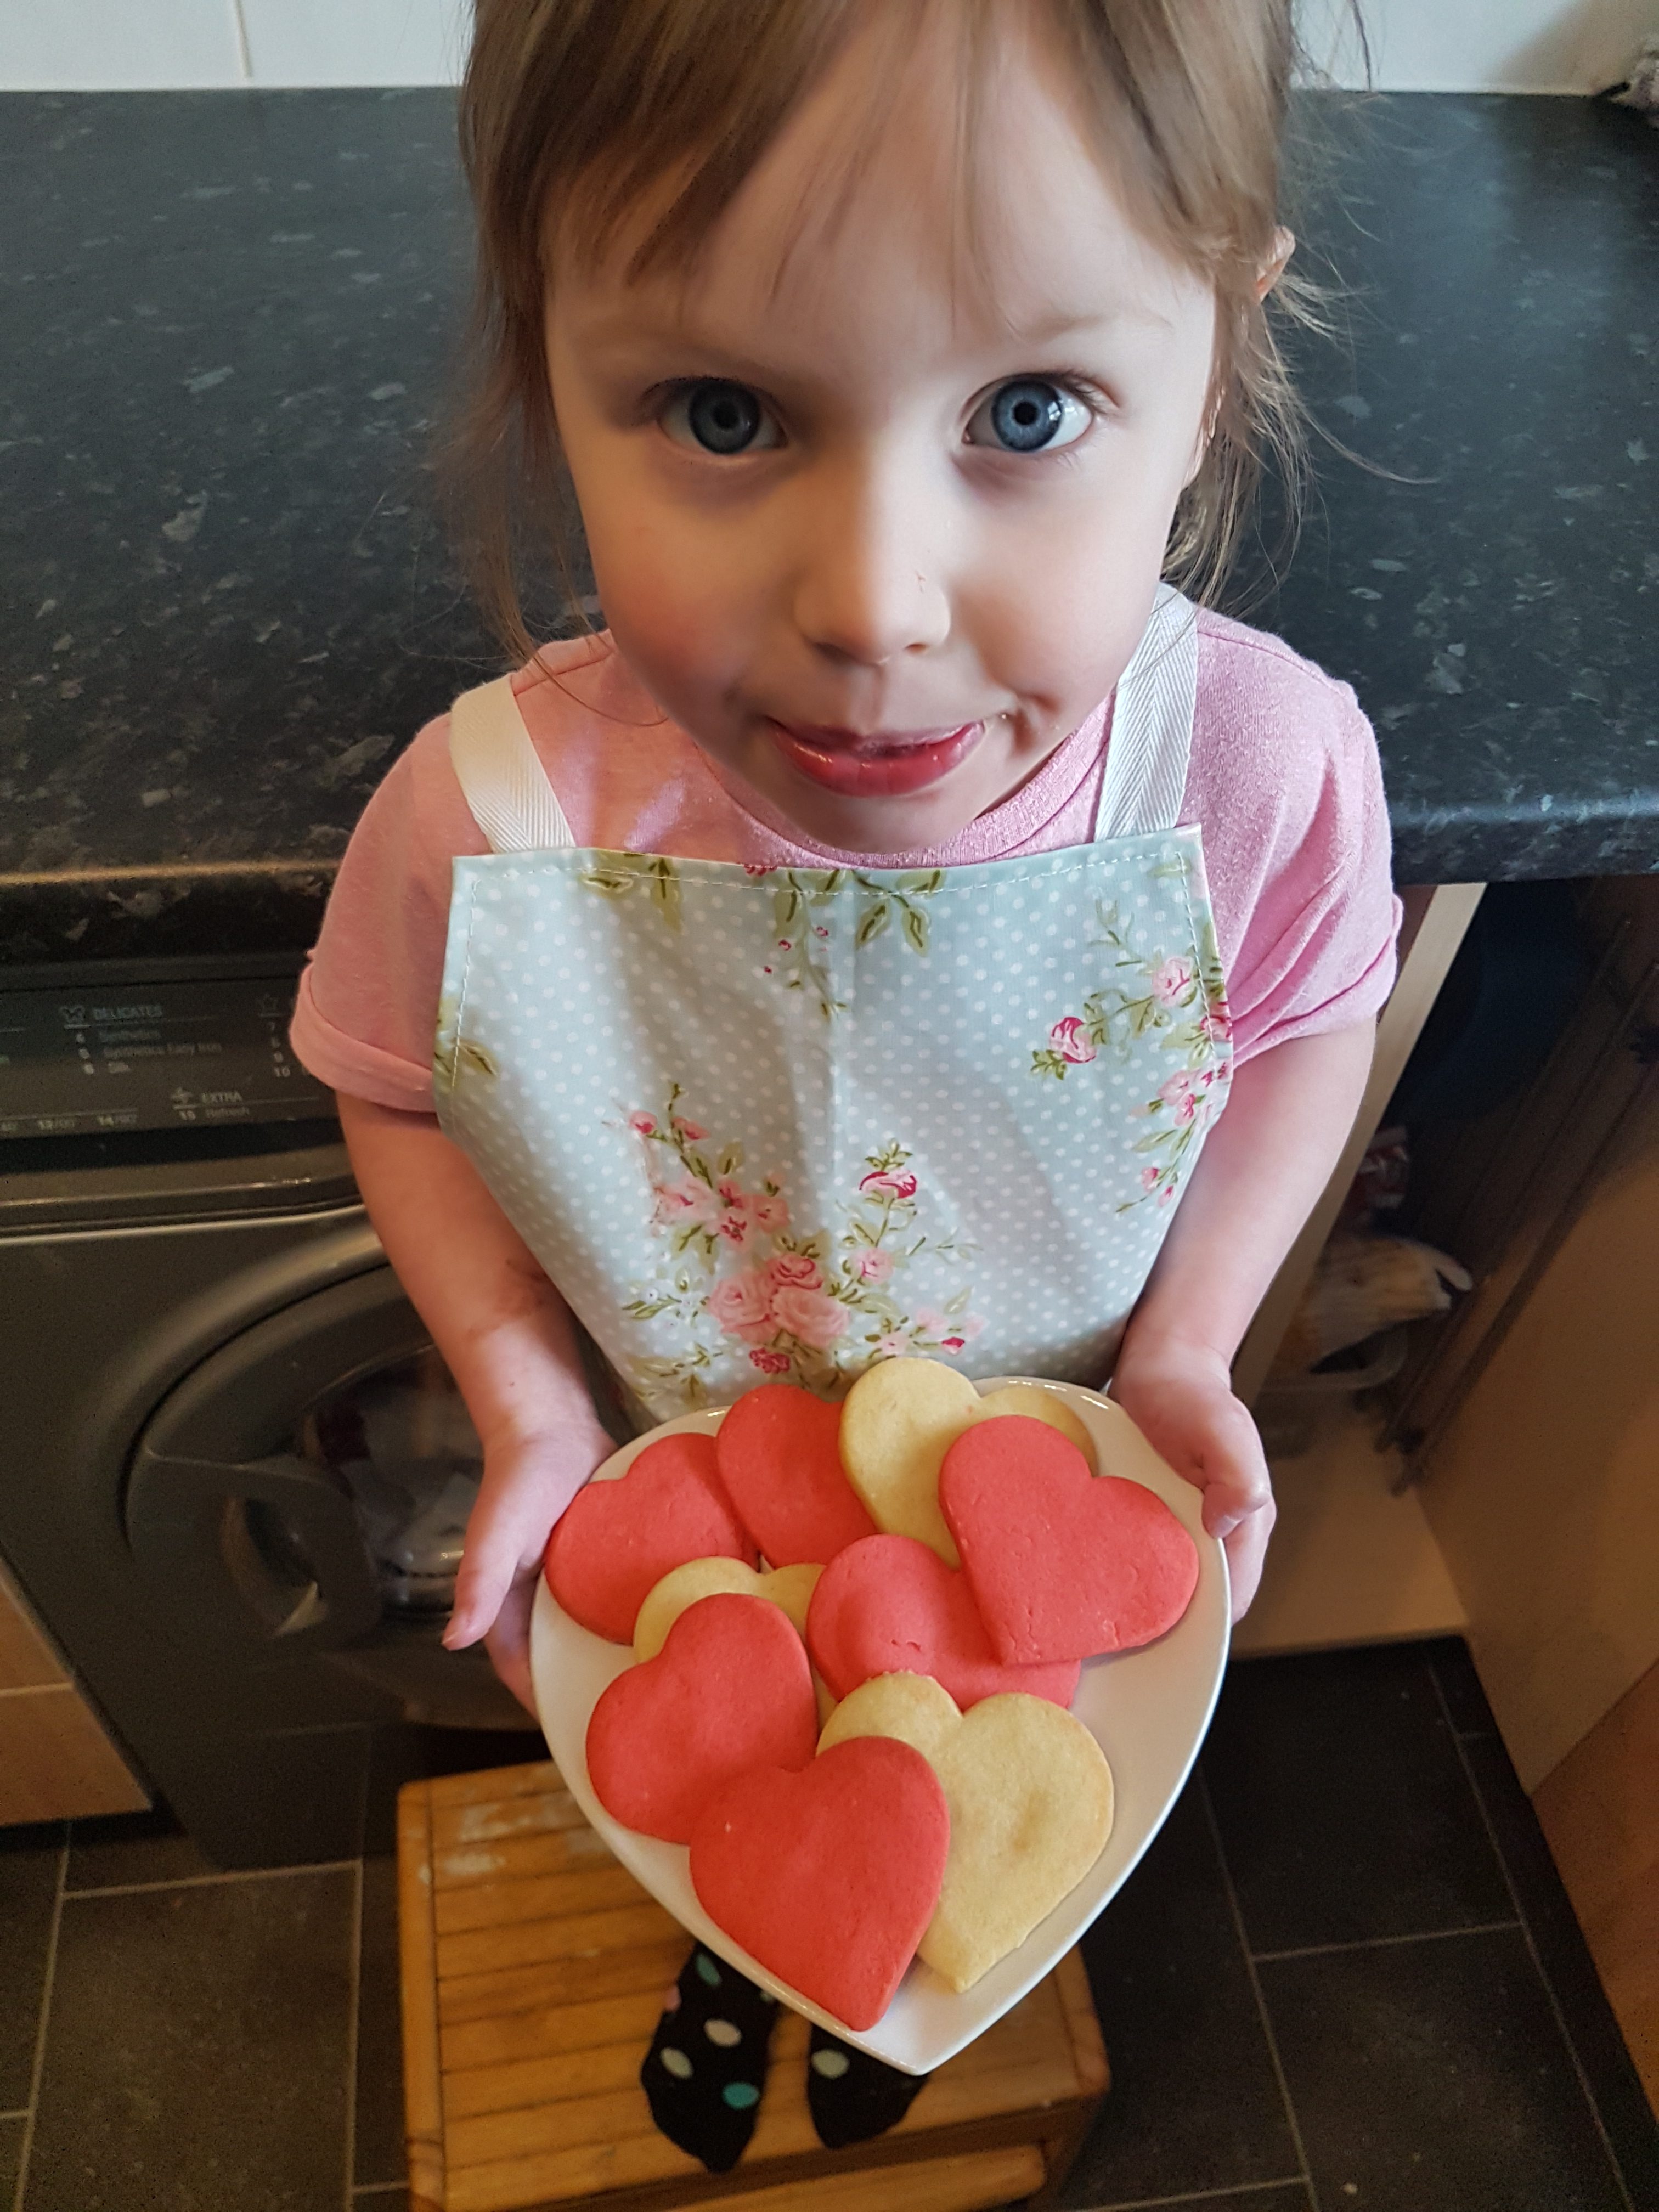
x: 528, y: 1481
x: 1180, y: 1397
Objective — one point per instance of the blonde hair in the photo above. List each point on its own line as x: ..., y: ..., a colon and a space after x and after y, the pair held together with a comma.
x: 592, y: 105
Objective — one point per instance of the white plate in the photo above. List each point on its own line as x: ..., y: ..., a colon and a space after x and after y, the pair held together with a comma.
x: 1148, y: 1710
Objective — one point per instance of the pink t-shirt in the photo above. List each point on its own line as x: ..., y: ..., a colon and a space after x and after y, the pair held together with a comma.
x: 1284, y: 782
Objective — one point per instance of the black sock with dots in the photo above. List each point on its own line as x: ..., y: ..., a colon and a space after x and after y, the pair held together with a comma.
x: 706, y: 2068
x: 852, y: 2096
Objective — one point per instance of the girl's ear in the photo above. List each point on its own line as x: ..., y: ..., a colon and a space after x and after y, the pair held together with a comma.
x: 1275, y: 266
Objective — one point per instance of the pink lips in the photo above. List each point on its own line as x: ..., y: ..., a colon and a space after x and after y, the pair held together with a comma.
x: 884, y: 766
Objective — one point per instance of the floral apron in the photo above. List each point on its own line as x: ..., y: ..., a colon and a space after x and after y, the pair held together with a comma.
x: 783, y: 1122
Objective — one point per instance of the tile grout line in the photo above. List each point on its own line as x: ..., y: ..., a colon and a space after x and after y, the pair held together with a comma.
x: 1205, y: 2195
x: 1305, y: 2175
x: 39, y: 2068
x: 1386, y: 1943
x: 379, y: 2188
x: 211, y: 1880
x: 353, y: 1999
x: 22, y: 2113
x: 1556, y: 2012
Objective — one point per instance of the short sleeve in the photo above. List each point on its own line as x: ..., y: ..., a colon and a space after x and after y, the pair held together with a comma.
x: 367, y: 1004
x: 1296, y: 844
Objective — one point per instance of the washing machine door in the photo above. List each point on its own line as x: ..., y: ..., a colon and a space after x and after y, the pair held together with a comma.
x: 246, y: 1539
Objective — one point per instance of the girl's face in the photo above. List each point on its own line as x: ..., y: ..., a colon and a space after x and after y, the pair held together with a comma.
x: 876, y: 520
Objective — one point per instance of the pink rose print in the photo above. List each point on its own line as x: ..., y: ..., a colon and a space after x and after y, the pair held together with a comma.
x: 1170, y: 980
x: 683, y: 1204
x: 769, y: 1213
x: 741, y: 1304
x: 930, y: 1321
x: 1068, y: 1041
x: 970, y: 1325
x: 793, y: 1271
x: 769, y: 1362
x: 1179, y: 1096
x: 642, y: 1125
x: 873, y: 1266
x: 757, y: 867
x: 733, y: 1226
x: 888, y: 1182
x: 1149, y: 1179
x: 1218, y: 1026
x: 688, y: 1130
x: 892, y: 1348
x: 809, y: 1314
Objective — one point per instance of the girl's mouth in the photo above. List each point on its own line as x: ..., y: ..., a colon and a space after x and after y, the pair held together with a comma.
x: 886, y: 765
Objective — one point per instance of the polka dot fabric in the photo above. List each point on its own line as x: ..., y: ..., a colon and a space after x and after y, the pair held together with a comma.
x: 784, y: 1125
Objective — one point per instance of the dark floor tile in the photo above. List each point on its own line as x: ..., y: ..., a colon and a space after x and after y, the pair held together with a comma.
x: 1615, y: 2087
x: 196, y: 2058
x: 413, y: 1753
x: 11, y: 2156
x: 380, y: 2130
x: 1431, y: 2077
x: 1460, y: 1686
x: 1292, y: 2197
x: 28, y: 1888
x: 1194, y: 2103
x: 1345, y: 1810
x: 130, y: 1847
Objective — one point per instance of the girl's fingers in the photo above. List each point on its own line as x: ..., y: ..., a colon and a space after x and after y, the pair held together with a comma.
x: 1247, y: 1549
x: 508, y: 1642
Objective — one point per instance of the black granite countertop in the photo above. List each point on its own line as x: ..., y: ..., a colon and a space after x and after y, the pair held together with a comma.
x: 227, y: 601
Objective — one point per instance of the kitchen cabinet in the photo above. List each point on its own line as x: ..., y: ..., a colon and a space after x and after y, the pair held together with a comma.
x: 56, y: 1761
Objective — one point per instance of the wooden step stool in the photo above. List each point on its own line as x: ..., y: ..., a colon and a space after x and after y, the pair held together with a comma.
x: 533, y: 1973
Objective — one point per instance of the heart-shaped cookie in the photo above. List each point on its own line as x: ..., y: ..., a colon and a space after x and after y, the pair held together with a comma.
x: 1037, y: 1404
x: 899, y: 1418
x: 780, y: 1460
x: 1062, y: 1564
x: 828, y: 1877
x: 1029, y: 1795
x: 730, y: 1690
x: 617, y: 1540
x: 790, y: 1588
x: 890, y: 1605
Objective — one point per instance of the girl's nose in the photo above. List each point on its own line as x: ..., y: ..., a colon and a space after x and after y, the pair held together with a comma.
x: 869, y: 588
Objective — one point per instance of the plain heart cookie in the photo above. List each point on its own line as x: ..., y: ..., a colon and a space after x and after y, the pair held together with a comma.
x: 790, y: 1588
x: 1029, y: 1795
x: 899, y: 1419
x: 778, y: 1452
x: 730, y: 1690
x: 1062, y: 1564
x: 890, y: 1605
x: 617, y: 1540
x: 828, y: 1877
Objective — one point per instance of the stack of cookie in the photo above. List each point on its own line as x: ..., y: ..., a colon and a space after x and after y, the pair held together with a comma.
x: 856, y: 1631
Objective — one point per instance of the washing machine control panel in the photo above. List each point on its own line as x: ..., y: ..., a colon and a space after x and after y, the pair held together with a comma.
x: 179, y: 1052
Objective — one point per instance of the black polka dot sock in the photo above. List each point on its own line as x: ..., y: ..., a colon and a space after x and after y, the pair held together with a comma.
x: 706, y: 2068
x: 852, y: 2096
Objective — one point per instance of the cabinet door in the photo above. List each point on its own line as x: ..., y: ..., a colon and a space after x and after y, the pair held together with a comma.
x: 55, y: 1761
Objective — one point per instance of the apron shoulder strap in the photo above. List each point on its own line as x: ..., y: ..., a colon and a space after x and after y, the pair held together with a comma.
x: 501, y: 778
x: 1151, y: 733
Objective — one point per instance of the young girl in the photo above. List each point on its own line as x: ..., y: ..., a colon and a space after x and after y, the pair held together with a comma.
x: 849, y: 951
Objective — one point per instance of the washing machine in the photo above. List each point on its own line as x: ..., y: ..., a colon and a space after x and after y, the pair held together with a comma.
x: 234, y: 1470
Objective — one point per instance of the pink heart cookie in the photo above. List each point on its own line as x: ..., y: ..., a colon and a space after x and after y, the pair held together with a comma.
x: 891, y: 1606
x: 617, y: 1540
x: 1062, y: 1564
x: 729, y: 1691
x: 829, y: 1877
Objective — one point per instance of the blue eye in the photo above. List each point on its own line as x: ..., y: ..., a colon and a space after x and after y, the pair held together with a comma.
x: 1028, y: 414
x: 720, y: 418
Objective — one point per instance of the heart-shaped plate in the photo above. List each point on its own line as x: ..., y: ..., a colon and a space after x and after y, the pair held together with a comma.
x: 1148, y: 1710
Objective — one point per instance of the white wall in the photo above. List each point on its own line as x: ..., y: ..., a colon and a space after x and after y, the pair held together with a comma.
x: 1418, y: 45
